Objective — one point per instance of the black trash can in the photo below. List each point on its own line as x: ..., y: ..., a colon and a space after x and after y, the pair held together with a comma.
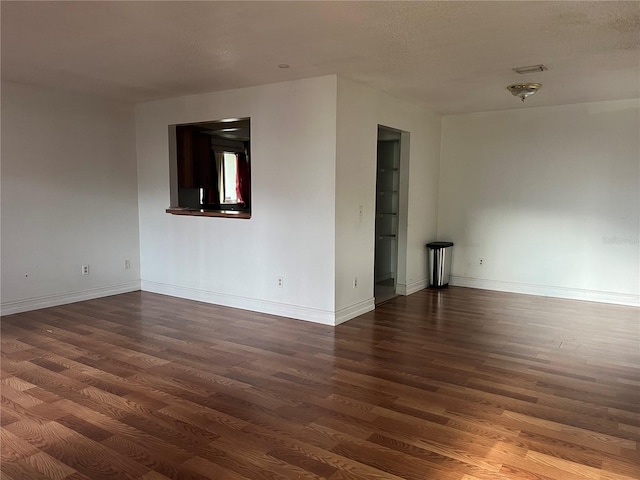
x: 439, y: 263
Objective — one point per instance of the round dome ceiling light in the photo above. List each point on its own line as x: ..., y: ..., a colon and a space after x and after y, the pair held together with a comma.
x: 524, y: 90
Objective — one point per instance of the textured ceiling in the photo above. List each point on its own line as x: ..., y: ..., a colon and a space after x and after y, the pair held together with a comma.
x: 451, y: 56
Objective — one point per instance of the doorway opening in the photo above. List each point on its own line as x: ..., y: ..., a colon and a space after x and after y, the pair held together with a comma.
x: 387, y: 214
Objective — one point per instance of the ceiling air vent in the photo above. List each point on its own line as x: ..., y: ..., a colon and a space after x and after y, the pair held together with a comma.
x: 530, y: 69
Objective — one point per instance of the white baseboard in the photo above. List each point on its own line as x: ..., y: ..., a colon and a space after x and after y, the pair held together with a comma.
x: 384, y: 276
x: 354, y: 311
x: 36, y: 303
x: 411, y: 288
x: 547, y: 291
x: 325, y: 317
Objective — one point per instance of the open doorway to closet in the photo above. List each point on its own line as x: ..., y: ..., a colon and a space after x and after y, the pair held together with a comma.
x: 387, y: 214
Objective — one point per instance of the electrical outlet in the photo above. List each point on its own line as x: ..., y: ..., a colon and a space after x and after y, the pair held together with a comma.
x: 127, y: 264
x: 280, y: 282
x: 481, y: 261
x: 360, y: 213
x: 85, y: 269
x: 355, y: 282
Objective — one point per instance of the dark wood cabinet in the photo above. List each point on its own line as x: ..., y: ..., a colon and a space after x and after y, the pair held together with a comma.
x: 196, y: 168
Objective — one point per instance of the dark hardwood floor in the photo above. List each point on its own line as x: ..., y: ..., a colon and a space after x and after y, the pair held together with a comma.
x: 458, y: 384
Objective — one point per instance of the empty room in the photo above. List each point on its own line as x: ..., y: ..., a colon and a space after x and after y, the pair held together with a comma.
x: 320, y: 240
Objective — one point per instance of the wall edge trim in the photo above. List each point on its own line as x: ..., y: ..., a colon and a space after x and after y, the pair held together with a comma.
x: 628, y: 299
x: 411, y: 288
x: 354, y: 310
x: 296, y: 312
x: 54, y: 300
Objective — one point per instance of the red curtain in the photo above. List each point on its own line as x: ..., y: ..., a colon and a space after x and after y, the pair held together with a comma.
x: 243, y: 179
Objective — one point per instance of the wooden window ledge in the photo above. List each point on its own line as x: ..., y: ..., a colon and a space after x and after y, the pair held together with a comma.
x: 208, y: 213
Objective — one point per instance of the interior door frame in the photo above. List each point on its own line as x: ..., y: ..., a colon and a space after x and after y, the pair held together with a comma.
x: 400, y: 286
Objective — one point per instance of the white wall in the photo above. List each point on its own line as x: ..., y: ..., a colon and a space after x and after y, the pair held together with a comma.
x: 548, y: 197
x: 291, y: 233
x: 68, y: 198
x: 360, y: 111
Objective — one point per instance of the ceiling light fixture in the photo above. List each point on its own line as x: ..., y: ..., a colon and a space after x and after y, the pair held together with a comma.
x: 524, y: 90
x: 283, y: 65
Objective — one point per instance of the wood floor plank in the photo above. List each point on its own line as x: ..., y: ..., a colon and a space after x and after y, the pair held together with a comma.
x: 454, y: 384
x: 14, y: 447
x: 49, y: 466
x: 74, y: 449
x: 211, y: 470
x: 153, y: 459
